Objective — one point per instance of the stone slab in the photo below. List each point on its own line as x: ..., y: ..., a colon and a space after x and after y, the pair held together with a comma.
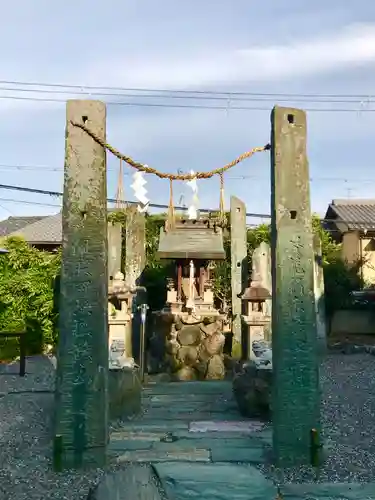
x: 174, y: 406
x: 150, y: 415
x: 143, y: 435
x: 265, y: 435
x: 129, y: 445
x: 246, y: 437
x: 192, y: 455
x: 206, y: 387
x: 214, y: 482
x: 231, y: 453
x: 137, y: 436
x: 154, y: 425
x: 138, y: 482
x: 177, y: 398
x: 329, y: 491
x: 245, y: 426
x: 209, y: 444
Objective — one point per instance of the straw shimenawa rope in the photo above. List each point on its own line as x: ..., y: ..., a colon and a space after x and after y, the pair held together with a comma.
x: 162, y: 175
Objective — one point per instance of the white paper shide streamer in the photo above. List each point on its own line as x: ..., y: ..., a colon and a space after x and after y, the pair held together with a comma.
x: 193, y: 207
x: 140, y: 191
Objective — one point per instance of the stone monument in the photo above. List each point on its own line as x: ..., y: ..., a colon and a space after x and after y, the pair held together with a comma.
x: 81, y: 396
x: 296, y: 394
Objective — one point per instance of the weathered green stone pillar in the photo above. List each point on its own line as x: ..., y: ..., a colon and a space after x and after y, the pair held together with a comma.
x: 319, y: 292
x: 239, y: 273
x: 81, y: 407
x: 296, y: 395
x: 135, y: 261
x: 135, y: 254
x: 114, y: 249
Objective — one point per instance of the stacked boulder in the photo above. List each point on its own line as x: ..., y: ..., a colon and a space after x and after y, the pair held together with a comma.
x: 252, y: 383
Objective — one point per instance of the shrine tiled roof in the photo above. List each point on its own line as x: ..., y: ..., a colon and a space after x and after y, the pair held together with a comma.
x: 192, y: 240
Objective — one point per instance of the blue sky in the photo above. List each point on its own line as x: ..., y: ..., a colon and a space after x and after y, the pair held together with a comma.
x: 263, y: 47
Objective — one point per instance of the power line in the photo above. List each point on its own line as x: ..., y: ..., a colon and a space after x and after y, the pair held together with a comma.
x: 42, y: 168
x: 174, y: 95
x: 111, y: 200
x: 160, y: 206
x: 191, y: 106
x: 28, y: 202
x: 187, y: 91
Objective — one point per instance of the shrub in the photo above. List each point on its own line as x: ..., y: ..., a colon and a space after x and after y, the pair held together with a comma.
x: 26, y: 292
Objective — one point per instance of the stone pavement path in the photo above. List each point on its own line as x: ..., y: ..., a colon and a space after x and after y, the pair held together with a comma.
x: 192, y: 442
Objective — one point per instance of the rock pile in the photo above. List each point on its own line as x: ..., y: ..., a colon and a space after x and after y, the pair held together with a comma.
x: 196, y: 350
x: 252, y: 385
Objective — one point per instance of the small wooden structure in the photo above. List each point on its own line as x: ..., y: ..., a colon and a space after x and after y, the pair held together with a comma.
x: 191, y: 326
x: 192, y: 245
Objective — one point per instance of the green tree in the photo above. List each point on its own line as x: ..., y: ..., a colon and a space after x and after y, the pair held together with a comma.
x: 26, y: 292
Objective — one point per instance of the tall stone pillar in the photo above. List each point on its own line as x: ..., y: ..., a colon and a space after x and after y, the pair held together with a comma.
x: 81, y: 427
x: 320, y: 308
x: 114, y: 249
x: 135, y: 261
x: 296, y: 395
x: 239, y: 272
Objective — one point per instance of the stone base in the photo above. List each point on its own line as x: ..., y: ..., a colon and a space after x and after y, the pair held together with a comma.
x: 125, y: 390
x: 252, y: 390
x: 193, y: 346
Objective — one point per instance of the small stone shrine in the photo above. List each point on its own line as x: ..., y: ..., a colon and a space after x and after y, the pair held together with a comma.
x: 190, y: 325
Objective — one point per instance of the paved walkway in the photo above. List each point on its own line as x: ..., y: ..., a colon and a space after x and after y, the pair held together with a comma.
x: 198, y: 447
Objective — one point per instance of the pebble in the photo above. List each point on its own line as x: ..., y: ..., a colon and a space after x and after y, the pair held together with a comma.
x: 26, y: 406
x: 348, y: 415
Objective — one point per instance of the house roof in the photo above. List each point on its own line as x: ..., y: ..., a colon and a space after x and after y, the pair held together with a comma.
x: 191, y: 240
x: 352, y: 214
x: 13, y: 224
x: 46, y: 230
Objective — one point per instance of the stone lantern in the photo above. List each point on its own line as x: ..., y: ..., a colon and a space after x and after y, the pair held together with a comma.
x: 255, y: 314
x: 119, y: 317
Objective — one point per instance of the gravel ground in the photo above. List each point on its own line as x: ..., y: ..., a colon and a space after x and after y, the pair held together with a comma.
x: 348, y: 384
x: 348, y: 417
x: 25, y: 446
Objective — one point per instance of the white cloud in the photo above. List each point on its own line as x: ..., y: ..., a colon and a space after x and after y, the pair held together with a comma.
x: 353, y: 45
